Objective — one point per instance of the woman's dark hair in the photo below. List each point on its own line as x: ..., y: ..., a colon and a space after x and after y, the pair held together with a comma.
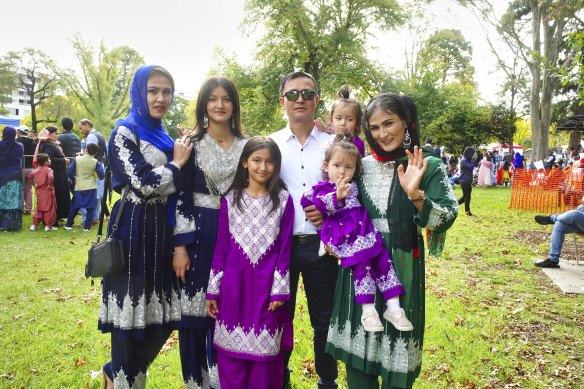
x: 42, y: 158
x: 203, y: 98
x: 343, y: 144
x: 160, y: 71
x: 400, y: 105
x: 241, y: 180
x: 52, y: 129
x: 344, y: 98
x: 506, y: 165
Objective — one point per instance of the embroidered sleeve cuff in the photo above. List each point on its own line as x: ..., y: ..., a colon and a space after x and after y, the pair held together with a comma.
x: 421, y: 218
x: 280, y: 285
x: 215, y: 282
x: 211, y: 296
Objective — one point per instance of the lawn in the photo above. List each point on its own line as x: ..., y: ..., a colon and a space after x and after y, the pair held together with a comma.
x: 493, y: 319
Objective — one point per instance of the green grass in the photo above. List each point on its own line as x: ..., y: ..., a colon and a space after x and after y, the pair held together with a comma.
x: 493, y: 319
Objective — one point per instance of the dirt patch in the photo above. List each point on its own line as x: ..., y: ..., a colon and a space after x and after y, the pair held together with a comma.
x: 535, y: 238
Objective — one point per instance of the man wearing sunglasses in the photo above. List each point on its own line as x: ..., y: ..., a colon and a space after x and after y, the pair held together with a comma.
x: 303, y: 147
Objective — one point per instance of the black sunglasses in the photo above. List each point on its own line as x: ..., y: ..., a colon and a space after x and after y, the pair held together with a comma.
x: 293, y: 94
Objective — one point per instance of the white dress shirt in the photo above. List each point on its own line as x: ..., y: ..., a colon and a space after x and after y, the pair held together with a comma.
x: 301, y: 169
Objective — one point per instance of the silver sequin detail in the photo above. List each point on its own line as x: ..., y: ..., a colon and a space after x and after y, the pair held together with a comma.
x: 154, y: 157
x: 215, y: 282
x: 183, y: 223
x: 381, y: 225
x: 256, y: 228
x: 206, y: 201
x: 377, y: 180
x: 240, y: 340
x: 404, y: 356
x: 363, y: 242
x: 121, y: 381
x: 195, y: 305
x: 281, y: 283
x: 366, y: 286
x: 218, y: 164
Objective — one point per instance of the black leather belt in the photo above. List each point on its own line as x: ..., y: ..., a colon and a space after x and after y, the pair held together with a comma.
x: 305, y: 239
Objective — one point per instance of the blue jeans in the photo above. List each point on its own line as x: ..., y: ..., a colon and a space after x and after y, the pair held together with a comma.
x: 564, y: 223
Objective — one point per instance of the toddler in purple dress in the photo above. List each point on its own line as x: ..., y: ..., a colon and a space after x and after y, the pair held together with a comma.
x: 351, y: 236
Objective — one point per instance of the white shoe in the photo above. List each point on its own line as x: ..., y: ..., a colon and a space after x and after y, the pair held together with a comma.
x: 53, y: 228
x: 32, y: 228
x: 68, y: 228
x: 371, y: 322
x: 86, y: 230
x: 398, y: 319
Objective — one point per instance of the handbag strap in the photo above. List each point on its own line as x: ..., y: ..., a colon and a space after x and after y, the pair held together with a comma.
x: 125, y: 191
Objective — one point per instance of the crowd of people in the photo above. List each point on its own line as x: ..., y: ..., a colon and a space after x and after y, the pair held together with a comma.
x: 219, y: 227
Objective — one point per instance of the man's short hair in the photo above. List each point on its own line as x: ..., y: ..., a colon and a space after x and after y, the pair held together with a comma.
x: 293, y: 75
x: 92, y: 148
x: 429, y: 140
x: 86, y: 122
x: 67, y: 123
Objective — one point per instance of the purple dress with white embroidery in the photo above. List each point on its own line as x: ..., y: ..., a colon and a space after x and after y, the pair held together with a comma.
x: 348, y: 231
x: 250, y: 270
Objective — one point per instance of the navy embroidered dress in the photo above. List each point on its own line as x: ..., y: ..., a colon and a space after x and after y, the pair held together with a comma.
x: 208, y: 174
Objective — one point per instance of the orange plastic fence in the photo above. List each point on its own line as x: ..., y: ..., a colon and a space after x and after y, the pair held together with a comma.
x: 547, y: 191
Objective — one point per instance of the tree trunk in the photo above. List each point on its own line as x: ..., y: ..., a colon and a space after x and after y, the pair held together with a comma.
x: 575, y: 139
x: 539, y: 137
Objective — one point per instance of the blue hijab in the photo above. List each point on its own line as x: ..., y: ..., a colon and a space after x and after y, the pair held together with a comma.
x: 139, y: 119
x: 11, y: 153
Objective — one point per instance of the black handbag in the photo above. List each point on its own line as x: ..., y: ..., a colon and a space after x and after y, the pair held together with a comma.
x: 107, y: 257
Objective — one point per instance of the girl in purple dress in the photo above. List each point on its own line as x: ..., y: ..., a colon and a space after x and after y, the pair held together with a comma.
x: 351, y: 236
x: 345, y: 118
x: 249, y: 281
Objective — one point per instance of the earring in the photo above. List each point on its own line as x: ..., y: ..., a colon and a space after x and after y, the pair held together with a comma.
x: 233, y: 123
x: 205, y: 121
x: 407, y: 139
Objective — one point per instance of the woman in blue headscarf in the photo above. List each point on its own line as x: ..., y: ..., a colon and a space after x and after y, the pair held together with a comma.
x: 11, y: 165
x: 141, y: 305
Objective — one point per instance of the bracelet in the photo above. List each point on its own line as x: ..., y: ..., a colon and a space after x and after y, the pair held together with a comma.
x: 179, y: 252
x: 422, y: 196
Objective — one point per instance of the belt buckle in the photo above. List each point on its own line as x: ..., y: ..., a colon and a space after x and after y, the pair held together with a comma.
x: 302, y: 239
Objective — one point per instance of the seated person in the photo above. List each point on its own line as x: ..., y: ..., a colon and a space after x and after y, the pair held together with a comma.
x: 564, y: 223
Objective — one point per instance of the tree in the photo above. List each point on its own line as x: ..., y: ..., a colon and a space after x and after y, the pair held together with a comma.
x: 56, y: 107
x: 104, y: 87
x: 447, y: 55
x: 544, y: 22
x: 32, y: 73
x: 176, y: 117
x: 7, y: 82
x: 326, y: 38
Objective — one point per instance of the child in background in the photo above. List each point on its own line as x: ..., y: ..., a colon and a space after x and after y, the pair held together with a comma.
x: 505, y: 175
x: 345, y: 118
x: 351, y: 236
x: 46, y: 207
x: 82, y: 173
x: 250, y: 282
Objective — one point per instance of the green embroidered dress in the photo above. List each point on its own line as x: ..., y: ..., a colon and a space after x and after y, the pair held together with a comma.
x: 395, y: 356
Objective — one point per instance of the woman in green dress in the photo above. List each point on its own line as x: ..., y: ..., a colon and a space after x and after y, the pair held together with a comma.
x: 404, y: 189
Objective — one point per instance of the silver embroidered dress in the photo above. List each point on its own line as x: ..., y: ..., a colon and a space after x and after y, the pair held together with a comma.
x: 395, y: 356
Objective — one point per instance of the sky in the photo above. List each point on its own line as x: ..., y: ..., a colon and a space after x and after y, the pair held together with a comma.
x: 182, y: 35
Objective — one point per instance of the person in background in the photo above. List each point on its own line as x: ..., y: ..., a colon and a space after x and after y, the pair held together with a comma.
x: 11, y: 193
x: 49, y: 144
x: 46, y: 207
x: 564, y: 223
x: 82, y: 173
x: 93, y: 136
x: 467, y: 164
x: 29, y: 147
x: 548, y: 163
x: 69, y: 142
